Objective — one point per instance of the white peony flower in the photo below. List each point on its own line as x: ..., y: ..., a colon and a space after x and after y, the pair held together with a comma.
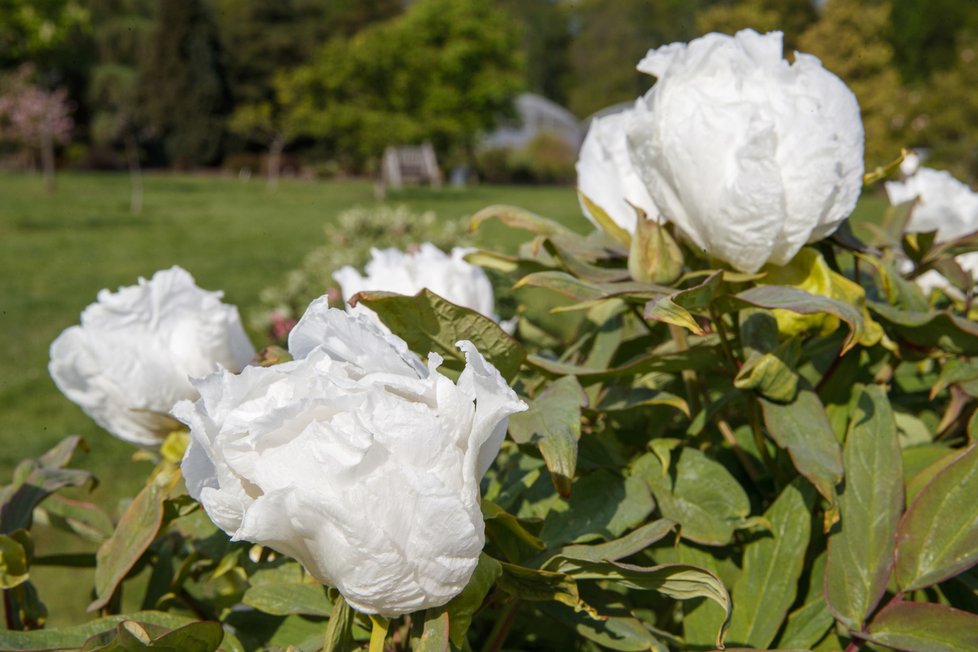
x: 606, y: 176
x: 910, y: 163
x: 449, y: 276
x: 355, y: 458
x: 750, y: 156
x: 944, y: 205
x: 132, y: 357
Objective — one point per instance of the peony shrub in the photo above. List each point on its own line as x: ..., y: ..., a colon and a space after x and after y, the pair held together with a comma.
x: 728, y: 419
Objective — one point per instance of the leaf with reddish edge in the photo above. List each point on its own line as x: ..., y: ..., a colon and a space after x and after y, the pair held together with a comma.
x: 924, y: 627
x: 860, y: 555
x: 802, y: 427
x: 938, y: 536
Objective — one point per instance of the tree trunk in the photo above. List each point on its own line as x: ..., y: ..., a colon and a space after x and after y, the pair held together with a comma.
x: 47, y: 160
x: 135, y: 176
x: 275, y: 161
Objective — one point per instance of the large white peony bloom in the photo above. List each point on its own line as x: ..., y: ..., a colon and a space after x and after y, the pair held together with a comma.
x: 750, y: 156
x: 449, y: 276
x: 606, y: 176
x: 355, y: 458
x: 133, y: 355
x: 945, y: 205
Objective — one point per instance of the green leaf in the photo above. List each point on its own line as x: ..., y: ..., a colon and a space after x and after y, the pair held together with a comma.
x: 678, y: 307
x: 74, y: 637
x: 941, y: 330
x: 955, y: 371
x: 706, y: 501
x: 518, y: 218
x: 38, y: 479
x: 620, y: 399
x: 938, y: 536
x: 429, y: 323
x: 553, y: 423
x: 506, y: 531
x: 435, y: 635
x: 803, y: 429
x: 537, y: 585
x: 789, y: 298
x: 462, y: 608
x: 282, y: 599
x: 628, y: 545
x: 339, y: 630
x: 772, y: 375
x: 574, y: 288
x: 860, y: 555
x: 771, y: 569
x: 131, y: 636
x: 135, y: 532
x: 615, y: 631
x: 668, y: 311
x: 699, y: 358
x: 86, y: 520
x: 924, y: 627
x: 806, y: 625
x: 921, y: 464
x: 14, y: 561
x: 678, y: 581
x: 604, y: 220
x: 603, y: 504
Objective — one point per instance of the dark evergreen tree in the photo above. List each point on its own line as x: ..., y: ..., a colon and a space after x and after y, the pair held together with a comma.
x: 183, y: 93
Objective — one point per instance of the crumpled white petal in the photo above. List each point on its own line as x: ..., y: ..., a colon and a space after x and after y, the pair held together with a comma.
x: 447, y: 275
x: 750, y: 156
x: 131, y: 358
x: 945, y: 205
x: 355, y: 458
x: 606, y: 176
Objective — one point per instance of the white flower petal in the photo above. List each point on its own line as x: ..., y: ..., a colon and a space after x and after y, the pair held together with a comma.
x: 133, y: 355
x: 356, y: 460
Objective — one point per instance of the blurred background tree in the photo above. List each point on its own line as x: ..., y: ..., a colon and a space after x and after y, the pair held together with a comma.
x: 441, y: 72
x: 205, y: 82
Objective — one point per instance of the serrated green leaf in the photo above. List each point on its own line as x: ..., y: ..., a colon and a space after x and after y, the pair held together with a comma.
x: 803, y: 429
x: 860, y: 554
x: 430, y: 323
x: 924, y: 627
x: 771, y: 569
x: 938, y: 536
